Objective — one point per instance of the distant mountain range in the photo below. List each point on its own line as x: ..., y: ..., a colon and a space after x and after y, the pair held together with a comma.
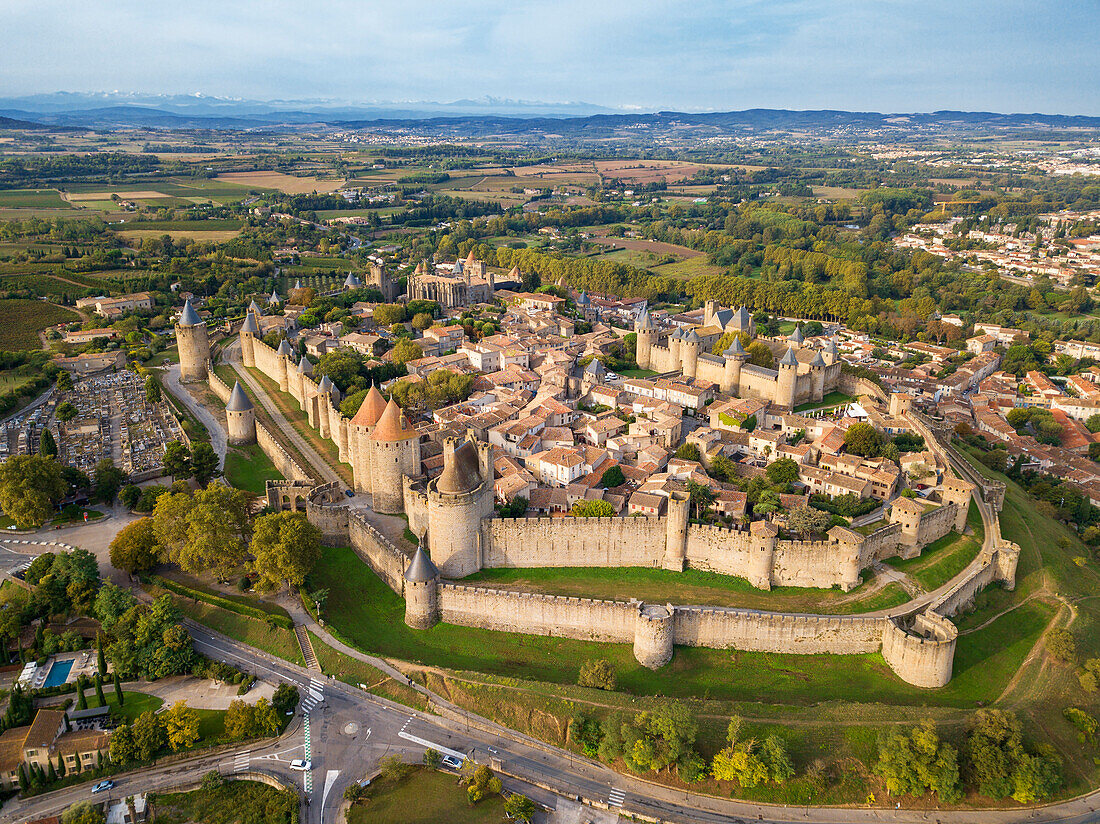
x: 478, y: 117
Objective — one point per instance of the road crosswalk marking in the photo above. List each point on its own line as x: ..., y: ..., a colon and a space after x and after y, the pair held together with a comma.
x: 615, y: 798
x: 240, y: 761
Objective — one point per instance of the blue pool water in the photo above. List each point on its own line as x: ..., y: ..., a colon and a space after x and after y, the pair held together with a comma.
x: 59, y: 672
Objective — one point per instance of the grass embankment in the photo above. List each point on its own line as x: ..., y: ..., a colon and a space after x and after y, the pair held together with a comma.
x: 249, y: 468
x: 945, y: 558
x: 234, y: 802
x: 355, y: 672
x: 366, y: 613
x: 692, y: 586
x: 424, y: 797
x: 262, y: 634
x: 289, y: 408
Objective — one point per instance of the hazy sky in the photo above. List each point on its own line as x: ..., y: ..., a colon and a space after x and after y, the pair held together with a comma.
x: 882, y: 55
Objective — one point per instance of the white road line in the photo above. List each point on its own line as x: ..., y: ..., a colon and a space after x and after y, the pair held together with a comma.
x: 436, y: 747
x: 615, y: 798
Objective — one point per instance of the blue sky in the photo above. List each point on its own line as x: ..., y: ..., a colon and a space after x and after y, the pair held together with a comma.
x: 881, y: 55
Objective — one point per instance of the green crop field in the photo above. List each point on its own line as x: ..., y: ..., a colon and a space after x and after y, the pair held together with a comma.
x: 32, y: 199
x: 22, y: 320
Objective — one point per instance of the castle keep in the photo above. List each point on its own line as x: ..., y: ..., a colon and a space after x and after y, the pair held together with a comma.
x: 802, y: 375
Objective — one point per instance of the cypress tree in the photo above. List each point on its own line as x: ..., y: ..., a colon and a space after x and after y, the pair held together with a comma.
x: 81, y: 700
x: 99, y: 690
x: 23, y: 782
x: 118, y: 690
x: 60, y: 766
x: 51, y: 776
x: 101, y: 659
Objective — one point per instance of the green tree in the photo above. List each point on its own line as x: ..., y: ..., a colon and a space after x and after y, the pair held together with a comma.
x: 118, y: 690
x: 152, y: 390
x: 701, y: 496
x: 65, y: 412
x: 207, y: 532
x: 592, y: 509
x: 100, y: 655
x: 181, y: 726
x: 918, y: 763
x: 285, y: 548
x: 107, y: 480
x: 177, y: 460
x: 239, y: 720
x: 1093, y: 423
x: 134, y: 548
x: 343, y: 367
x: 863, y: 439
x: 83, y: 812
x: 760, y: 355
x: 130, y: 495
x: 111, y: 603
x: 122, y: 748
x: 30, y: 487
x: 598, y: 673
x: 99, y: 690
x: 204, y: 463
x: 689, y: 452
x: 47, y: 446
x: 421, y: 321
x: 285, y: 699
x: 520, y: 807
x: 64, y: 381
x: 150, y: 736
x: 613, y: 477
x: 404, y: 351
x: 808, y: 520
x: 782, y: 472
x: 659, y: 738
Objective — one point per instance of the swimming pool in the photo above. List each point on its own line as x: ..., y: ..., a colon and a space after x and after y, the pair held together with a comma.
x: 59, y: 673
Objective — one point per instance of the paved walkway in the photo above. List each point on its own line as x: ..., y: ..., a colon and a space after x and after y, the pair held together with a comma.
x: 202, y: 694
x: 215, y: 427
x: 318, y: 464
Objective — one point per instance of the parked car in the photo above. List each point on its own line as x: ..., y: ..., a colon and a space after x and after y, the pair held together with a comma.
x: 103, y: 785
x: 300, y: 765
x: 451, y: 762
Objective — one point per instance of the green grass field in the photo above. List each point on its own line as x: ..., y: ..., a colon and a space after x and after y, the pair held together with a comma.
x: 22, y: 320
x: 424, y: 797
x: 32, y: 199
x: 692, y: 586
x: 366, y: 613
x: 831, y: 399
x: 133, y: 705
x: 945, y: 558
x: 248, y: 468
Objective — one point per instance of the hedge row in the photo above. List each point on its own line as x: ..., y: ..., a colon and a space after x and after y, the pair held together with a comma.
x: 284, y: 621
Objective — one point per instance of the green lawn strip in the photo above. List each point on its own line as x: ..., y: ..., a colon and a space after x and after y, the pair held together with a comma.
x: 134, y: 703
x: 249, y: 468
x: 638, y: 373
x: 830, y: 399
x: 234, y: 802
x: 424, y: 797
x: 692, y: 586
x: 367, y: 614
x: 867, y: 529
x: 181, y: 578
x: 298, y: 419
x: 355, y: 672
x: 272, y: 640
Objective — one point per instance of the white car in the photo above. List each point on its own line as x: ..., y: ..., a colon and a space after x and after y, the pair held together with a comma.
x: 103, y: 785
x: 451, y: 762
x: 300, y: 765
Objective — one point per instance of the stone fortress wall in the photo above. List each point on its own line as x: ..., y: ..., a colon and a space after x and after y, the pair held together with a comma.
x: 919, y: 644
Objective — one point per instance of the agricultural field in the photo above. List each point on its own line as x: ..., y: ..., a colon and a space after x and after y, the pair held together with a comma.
x: 279, y: 181
x: 836, y: 192
x: 22, y: 320
x: 215, y: 236
x: 32, y: 199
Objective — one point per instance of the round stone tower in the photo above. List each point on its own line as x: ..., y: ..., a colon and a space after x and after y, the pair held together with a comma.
x: 735, y: 357
x: 653, y: 635
x: 193, y: 344
x: 676, y: 524
x: 395, y: 452
x: 421, y: 591
x: 250, y: 330
x: 647, y: 336
x: 788, y: 378
x: 284, y: 355
x: 689, y: 353
x: 762, y: 553
x: 458, y: 500
x: 240, y: 417
x: 817, y: 376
